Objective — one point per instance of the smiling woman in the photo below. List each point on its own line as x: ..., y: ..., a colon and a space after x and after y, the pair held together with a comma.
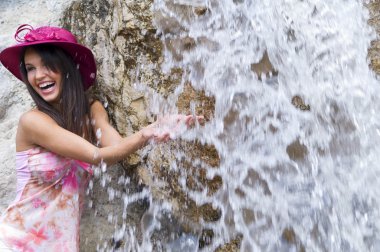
x: 54, y: 142
x: 42, y: 68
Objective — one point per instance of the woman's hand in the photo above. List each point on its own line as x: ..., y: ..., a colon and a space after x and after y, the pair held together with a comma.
x: 169, y: 127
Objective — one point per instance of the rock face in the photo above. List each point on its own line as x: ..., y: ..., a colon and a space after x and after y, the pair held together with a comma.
x: 122, y: 37
x: 123, y: 40
x: 374, y: 21
x: 129, y: 57
x: 10, y: 110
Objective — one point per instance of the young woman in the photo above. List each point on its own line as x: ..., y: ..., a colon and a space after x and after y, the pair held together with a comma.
x: 55, y: 141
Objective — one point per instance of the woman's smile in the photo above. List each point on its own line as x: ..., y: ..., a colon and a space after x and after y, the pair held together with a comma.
x: 47, y: 87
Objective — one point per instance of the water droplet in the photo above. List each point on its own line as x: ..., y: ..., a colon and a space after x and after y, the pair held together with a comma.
x: 111, y: 193
x: 121, y: 180
x: 98, y: 133
x: 110, y: 217
x: 104, y: 167
x: 97, y: 172
x: 96, y: 153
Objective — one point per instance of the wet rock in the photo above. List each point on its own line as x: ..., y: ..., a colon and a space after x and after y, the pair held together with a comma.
x: 204, y: 105
x: 290, y: 237
x: 297, y: 151
x: 123, y: 38
x: 298, y: 102
x: 128, y: 52
x: 374, y: 21
x: 232, y: 246
x: 264, y: 67
x: 200, y: 11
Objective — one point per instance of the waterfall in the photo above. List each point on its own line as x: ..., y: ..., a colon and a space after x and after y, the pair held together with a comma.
x: 298, y: 141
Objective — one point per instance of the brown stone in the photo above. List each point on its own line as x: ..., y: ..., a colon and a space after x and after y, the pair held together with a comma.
x: 374, y: 21
x: 298, y: 102
x: 200, y: 11
x: 264, y: 67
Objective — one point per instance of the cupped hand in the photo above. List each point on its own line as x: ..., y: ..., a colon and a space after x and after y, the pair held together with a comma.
x: 169, y: 127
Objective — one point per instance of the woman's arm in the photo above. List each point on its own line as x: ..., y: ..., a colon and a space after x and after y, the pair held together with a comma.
x: 107, y: 134
x: 159, y: 131
x: 37, y: 128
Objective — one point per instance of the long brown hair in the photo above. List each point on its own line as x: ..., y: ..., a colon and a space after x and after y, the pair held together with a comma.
x: 73, y: 112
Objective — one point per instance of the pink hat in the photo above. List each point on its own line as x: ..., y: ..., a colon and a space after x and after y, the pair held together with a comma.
x: 82, y: 56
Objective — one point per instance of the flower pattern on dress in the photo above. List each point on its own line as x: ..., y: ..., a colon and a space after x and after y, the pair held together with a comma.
x: 46, y: 216
x: 38, y: 203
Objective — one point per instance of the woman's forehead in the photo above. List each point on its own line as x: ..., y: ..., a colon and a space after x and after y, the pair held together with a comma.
x: 31, y: 56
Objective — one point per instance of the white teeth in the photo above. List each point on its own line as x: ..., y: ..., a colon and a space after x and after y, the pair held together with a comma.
x: 45, y: 84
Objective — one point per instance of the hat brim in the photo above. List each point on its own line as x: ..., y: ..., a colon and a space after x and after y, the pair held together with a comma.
x: 81, y: 55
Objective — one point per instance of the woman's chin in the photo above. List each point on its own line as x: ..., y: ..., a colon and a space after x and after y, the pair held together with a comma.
x: 50, y: 98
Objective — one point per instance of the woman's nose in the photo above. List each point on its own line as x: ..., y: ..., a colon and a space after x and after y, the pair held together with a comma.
x: 41, y: 72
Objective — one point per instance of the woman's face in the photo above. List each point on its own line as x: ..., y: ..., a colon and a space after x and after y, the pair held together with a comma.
x: 47, y: 83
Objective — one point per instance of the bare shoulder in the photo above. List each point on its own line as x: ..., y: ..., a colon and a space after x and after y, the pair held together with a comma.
x: 97, y: 106
x: 28, y: 123
x: 34, y: 117
x: 100, y: 120
x: 98, y: 111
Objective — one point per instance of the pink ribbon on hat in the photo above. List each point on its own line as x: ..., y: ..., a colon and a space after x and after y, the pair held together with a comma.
x: 34, y: 35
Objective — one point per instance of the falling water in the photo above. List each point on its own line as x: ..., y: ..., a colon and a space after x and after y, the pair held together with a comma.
x: 299, y: 144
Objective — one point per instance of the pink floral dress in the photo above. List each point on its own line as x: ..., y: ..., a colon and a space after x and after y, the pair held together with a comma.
x: 46, y: 212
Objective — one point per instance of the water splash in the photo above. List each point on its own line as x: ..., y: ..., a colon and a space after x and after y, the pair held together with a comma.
x: 292, y: 178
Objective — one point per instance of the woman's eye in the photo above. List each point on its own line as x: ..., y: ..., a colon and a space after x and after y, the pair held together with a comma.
x: 28, y: 69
